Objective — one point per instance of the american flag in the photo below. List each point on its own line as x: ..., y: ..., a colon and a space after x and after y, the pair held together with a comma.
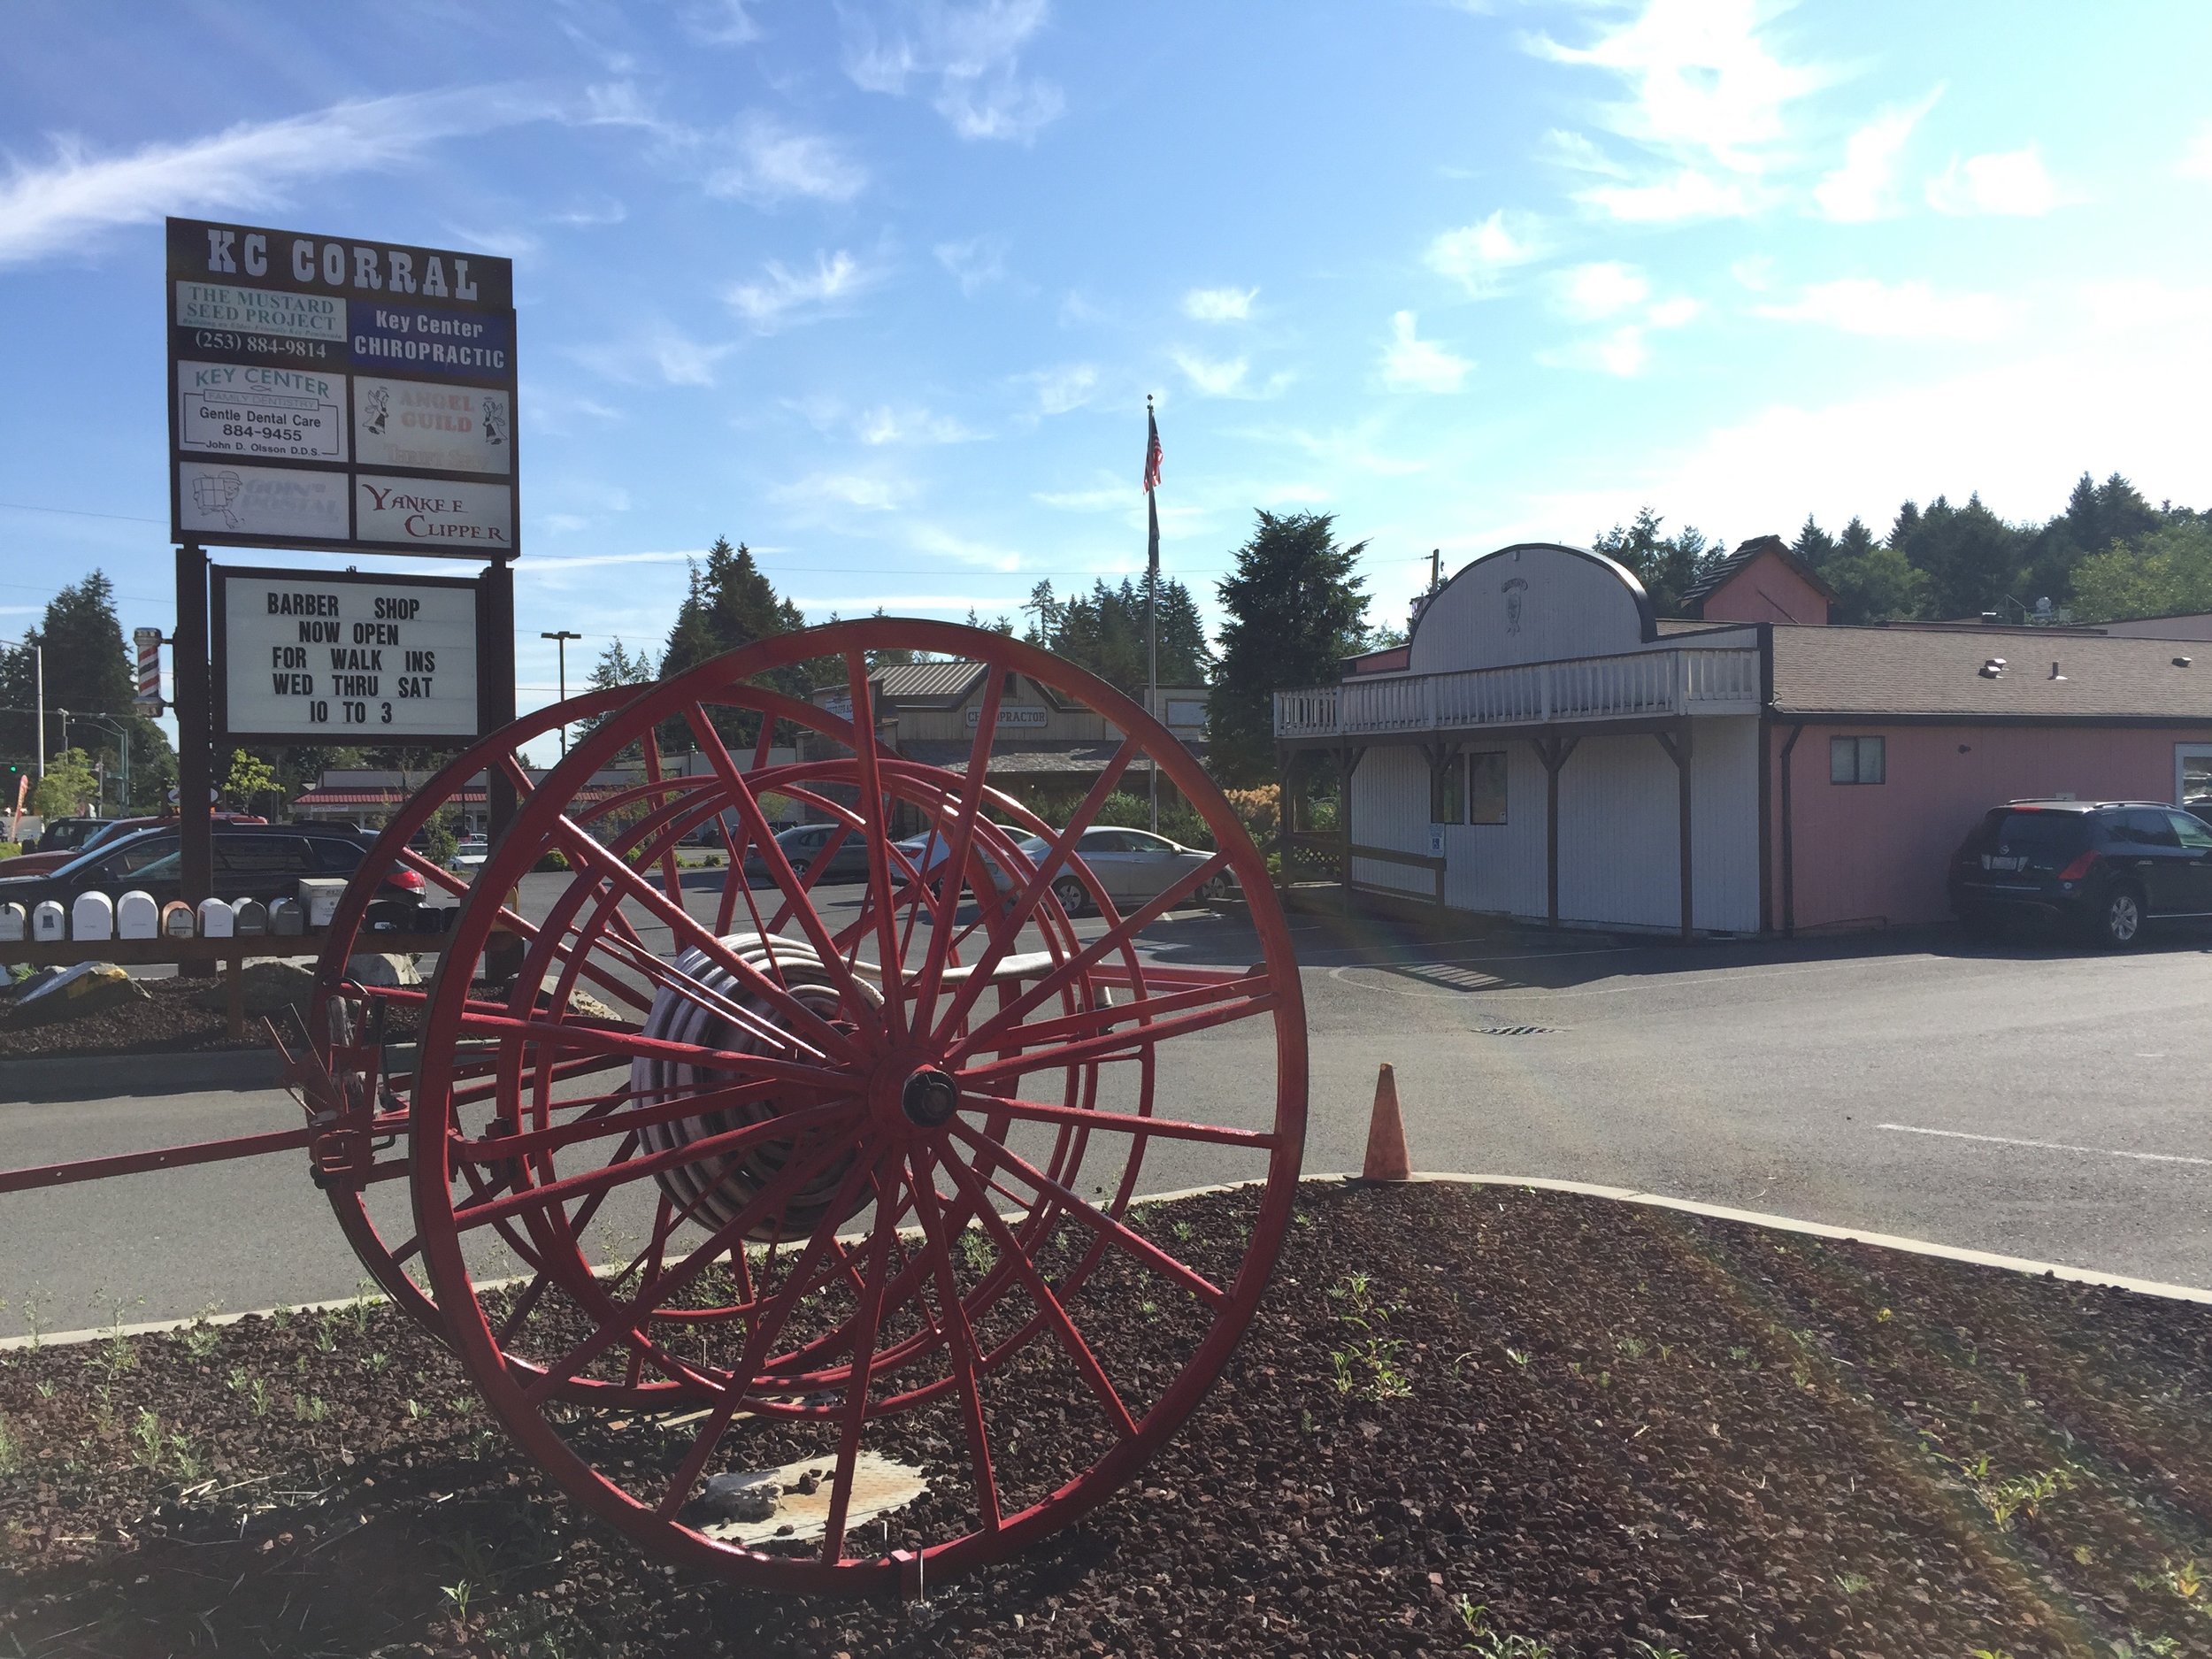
x: 1153, y: 454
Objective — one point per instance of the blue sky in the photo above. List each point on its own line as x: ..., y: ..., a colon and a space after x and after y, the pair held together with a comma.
x: 881, y: 288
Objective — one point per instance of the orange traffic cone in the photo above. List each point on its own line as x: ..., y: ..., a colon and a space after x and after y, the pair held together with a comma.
x: 1386, y: 1159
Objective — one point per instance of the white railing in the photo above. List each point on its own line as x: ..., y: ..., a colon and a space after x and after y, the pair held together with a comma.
x: 1638, y: 685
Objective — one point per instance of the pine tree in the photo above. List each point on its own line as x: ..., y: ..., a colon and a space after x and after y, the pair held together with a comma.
x: 1294, y: 611
x: 88, y: 672
x: 1814, y: 546
x: 1666, y: 565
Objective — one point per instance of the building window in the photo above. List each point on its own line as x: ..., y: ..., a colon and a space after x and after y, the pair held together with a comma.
x: 1447, y: 791
x: 1855, y: 760
x: 1486, y: 787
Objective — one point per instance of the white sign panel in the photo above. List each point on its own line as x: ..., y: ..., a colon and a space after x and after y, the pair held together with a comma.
x: 1012, y: 715
x: 255, y: 409
x: 219, y: 497
x: 437, y: 515
x: 260, y: 314
x: 445, y: 428
x: 346, y: 657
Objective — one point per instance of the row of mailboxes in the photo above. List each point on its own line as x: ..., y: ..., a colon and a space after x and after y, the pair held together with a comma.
x: 93, y: 917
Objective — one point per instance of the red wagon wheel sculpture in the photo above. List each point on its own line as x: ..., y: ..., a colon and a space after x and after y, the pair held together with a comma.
x: 847, y: 1208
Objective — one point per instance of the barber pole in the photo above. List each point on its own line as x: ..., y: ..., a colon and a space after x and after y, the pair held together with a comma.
x: 147, y: 698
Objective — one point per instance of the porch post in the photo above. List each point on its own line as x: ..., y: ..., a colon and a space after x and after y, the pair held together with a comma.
x: 1553, y: 751
x: 1677, y: 743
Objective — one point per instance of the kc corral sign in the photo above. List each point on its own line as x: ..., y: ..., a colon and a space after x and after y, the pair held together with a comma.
x: 345, y: 657
x: 326, y: 392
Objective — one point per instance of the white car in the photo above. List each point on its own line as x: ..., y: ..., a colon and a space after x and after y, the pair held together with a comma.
x: 470, y: 854
x: 1134, y: 865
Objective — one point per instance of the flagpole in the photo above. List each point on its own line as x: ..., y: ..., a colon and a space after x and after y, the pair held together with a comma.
x: 1152, y: 589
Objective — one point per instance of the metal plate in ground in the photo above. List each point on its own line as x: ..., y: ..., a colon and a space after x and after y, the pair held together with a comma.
x: 881, y: 1485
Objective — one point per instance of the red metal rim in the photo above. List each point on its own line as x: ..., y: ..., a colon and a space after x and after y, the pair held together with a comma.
x: 897, y: 1097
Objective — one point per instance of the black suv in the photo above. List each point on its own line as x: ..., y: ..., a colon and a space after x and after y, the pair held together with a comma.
x: 257, y: 861
x: 2105, y: 867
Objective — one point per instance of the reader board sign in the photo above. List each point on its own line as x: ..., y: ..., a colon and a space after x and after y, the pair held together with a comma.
x: 345, y: 657
x: 316, y: 380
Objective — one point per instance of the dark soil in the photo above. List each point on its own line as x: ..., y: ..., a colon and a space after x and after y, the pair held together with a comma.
x: 164, y: 1022
x: 1567, y: 1427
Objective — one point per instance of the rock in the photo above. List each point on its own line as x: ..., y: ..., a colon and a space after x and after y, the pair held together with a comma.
x: 59, y: 993
x: 372, y: 968
x: 265, y: 986
x: 737, y: 1497
x: 590, y: 1007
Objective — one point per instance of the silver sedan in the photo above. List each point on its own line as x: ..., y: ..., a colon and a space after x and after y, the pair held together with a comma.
x: 1134, y: 865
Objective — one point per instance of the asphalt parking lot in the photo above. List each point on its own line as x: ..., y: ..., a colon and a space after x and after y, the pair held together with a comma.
x: 2021, y: 1098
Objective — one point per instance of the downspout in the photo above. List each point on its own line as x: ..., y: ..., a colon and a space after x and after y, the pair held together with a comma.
x: 1789, y: 860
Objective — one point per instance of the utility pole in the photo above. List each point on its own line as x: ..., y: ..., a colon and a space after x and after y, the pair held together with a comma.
x: 560, y: 644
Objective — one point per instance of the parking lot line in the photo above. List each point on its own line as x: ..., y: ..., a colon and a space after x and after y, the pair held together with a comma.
x: 2045, y: 1146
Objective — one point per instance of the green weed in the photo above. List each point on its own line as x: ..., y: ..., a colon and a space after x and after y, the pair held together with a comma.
x: 1854, y: 1582
x: 1474, y: 1618
x: 1373, y: 1365
x: 11, y: 1449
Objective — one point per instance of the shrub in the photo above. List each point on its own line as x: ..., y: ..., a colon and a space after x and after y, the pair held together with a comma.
x: 9, y: 849
x: 554, y: 860
x: 1260, y: 811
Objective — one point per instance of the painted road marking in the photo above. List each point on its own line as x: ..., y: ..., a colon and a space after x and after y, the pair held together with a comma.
x: 2045, y: 1146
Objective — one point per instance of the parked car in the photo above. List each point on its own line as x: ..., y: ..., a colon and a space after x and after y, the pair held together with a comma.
x: 929, y: 850
x: 68, y: 834
x: 470, y: 853
x: 804, y: 844
x: 104, y: 832
x: 2105, y: 868
x: 1134, y: 865
x: 257, y: 861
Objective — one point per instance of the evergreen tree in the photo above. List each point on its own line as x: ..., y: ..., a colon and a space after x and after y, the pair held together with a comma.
x: 1972, y: 557
x: 1814, y: 546
x: 1666, y: 565
x: 617, y: 666
x: 89, y: 672
x: 2161, y: 573
x: 1295, y: 610
x: 1872, y: 583
x: 1043, y: 611
x: 728, y: 604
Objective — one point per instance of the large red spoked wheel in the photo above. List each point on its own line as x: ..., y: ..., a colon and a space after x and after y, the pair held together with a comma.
x: 854, y: 1217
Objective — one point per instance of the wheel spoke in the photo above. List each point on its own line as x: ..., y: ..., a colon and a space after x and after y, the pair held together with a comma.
x: 1253, y: 988
x: 728, y: 1142
x: 876, y: 819
x: 636, y: 1045
x: 959, y: 1339
x: 1118, y: 938
x: 1125, y: 1122
x: 1105, y: 1226
x: 958, y: 846
x: 1004, y: 927
x: 1056, y: 1316
x: 1112, y: 1045
x: 862, y: 1370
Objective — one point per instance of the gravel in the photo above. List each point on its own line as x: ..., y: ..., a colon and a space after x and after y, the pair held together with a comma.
x: 1468, y: 1419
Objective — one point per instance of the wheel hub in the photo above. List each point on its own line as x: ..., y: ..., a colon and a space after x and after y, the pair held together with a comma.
x: 929, y: 1098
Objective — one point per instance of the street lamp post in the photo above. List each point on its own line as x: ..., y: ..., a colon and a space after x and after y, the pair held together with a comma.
x: 560, y: 644
x: 38, y: 653
x: 123, y: 733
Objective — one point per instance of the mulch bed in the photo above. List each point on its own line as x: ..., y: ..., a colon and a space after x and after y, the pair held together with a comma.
x: 165, y: 1022
x: 1470, y: 1419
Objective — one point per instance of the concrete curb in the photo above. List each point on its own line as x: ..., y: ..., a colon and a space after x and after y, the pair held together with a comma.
x: 1586, y: 1189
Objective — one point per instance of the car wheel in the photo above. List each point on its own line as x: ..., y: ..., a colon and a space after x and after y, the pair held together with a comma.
x: 2120, y: 919
x: 1074, y: 898
x: 1214, y: 887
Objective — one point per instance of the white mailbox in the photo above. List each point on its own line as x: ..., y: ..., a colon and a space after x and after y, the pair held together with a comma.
x: 216, y: 919
x: 50, y: 923
x: 320, y: 896
x: 137, y: 915
x: 92, y: 916
x: 15, y: 924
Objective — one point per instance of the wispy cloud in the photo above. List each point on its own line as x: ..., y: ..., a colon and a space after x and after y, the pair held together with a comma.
x: 2011, y: 182
x: 673, y: 358
x: 581, y: 561
x: 843, y: 489
x: 767, y: 162
x: 719, y: 22
x: 1690, y: 194
x: 781, y: 297
x: 1058, y: 390
x: 884, y: 425
x: 1601, y: 289
x: 967, y: 56
x: 585, y: 215
x: 1219, y: 306
x: 1864, y: 186
x: 1229, y: 377
x: 935, y: 539
x: 1901, y: 311
x: 1410, y: 364
x: 52, y: 207
x: 1476, y: 256
x: 1099, y: 498
x: 976, y: 263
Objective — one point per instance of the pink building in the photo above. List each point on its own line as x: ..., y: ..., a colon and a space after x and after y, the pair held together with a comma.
x: 1545, y: 747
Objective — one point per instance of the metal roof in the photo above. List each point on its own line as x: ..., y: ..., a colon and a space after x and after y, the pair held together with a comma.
x: 928, y: 682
